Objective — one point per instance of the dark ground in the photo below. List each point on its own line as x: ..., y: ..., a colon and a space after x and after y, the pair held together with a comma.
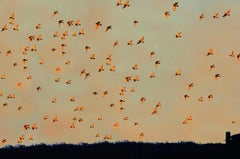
x: 123, y: 150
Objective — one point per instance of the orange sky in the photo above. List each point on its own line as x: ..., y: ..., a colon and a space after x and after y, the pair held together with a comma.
x: 210, y: 118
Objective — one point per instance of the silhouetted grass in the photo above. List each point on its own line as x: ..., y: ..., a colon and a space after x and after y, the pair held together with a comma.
x: 121, y: 150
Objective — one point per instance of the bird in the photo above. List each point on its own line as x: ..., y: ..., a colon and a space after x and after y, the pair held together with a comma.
x: 83, y: 71
x: 175, y: 6
x: 190, y: 86
x: 116, y: 125
x: 98, y: 24
x: 216, y: 15
x: 4, y: 27
x: 54, y: 100
x: 210, y: 96
x: 77, y: 22
x: 57, y: 79
x: 16, y: 27
x: 101, y: 68
x: 39, y: 37
x: 211, y: 67
x: 26, y: 126
x: 178, y: 73
x: 34, y: 126
x: 55, y: 34
x: 41, y: 62
x: 72, y: 99
x: 72, y: 125
x: 55, y: 13
x: 126, y: 4
x: 234, y: 121
x: 142, y: 99
x: 92, y: 56
x: 119, y: 3
x: 166, y: 14
x: 19, y: 84
x: 121, y: 101
x: 132, y: 89
x: 38, y: 26
x: 141, y: 40
x: 31, y: 137
x: 115, y: 43
x: 45, y: 117
x: 155, y: 110
x: 157, y: 63
x: 100, y: 117
x: 74, y: 34
x: 108, y: 28
x: 12, y: 16
x: 31, y: 38
x: 238, y: 57
x: 186, y: 97
x: 232, y: 54
x: 227, y: 13
x: 81, y: 32
x: 158, y: 104
x: 201, y: 17
x: 210, y: 52
x: 97, y: 135
x: 135, y: 22
x: 87, y: 75
x: 92, y: 125
x: 152, y: 75
x: 217, y: 76
x: 39, y: 88
x: 135, y: 67
x: 19, y: 108
x: 87, y: 48
x: 113, y: 68
x: 60, y: 22
x: 55, y: 119
x: 200, y: 99
x: 135, y: 78
x: 69, y: 23
x: 151, y: 54
x: 105, y: 93
x: 130, y: 42
x: 141, y: 135
x: 178, y: 35
x: 4, y: 141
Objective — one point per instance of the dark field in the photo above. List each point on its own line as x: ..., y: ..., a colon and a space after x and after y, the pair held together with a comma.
x: 133, y: 150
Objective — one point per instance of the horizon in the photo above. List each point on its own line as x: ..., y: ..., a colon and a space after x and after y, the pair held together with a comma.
x: 158, y: 87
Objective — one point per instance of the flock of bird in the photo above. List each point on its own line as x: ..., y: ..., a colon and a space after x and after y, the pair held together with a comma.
x: 84, y: 73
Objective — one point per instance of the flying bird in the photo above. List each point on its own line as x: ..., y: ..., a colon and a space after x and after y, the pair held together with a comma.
x: 217, y: 76
x: 227, y: 13
x: 141, y: 40
x: 210, y: 52
x: 178, y: 35
x: 166, y: 14
x: 201, y: 17
x: 98, y: 24
x: 108, y: 28
x: 175, y: 6
x: 126, y: 4
x: 216, y: 15
x: 135, y: 22
x: 178, y: 73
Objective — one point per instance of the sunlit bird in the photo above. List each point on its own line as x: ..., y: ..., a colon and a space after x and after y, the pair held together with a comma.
x: 227, y: 13
x: 175, y: 6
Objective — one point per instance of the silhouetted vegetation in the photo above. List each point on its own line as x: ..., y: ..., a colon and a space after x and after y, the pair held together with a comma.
x: 121, y: 150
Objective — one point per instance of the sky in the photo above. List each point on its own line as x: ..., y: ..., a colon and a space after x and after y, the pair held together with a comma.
x: 210, y: 118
